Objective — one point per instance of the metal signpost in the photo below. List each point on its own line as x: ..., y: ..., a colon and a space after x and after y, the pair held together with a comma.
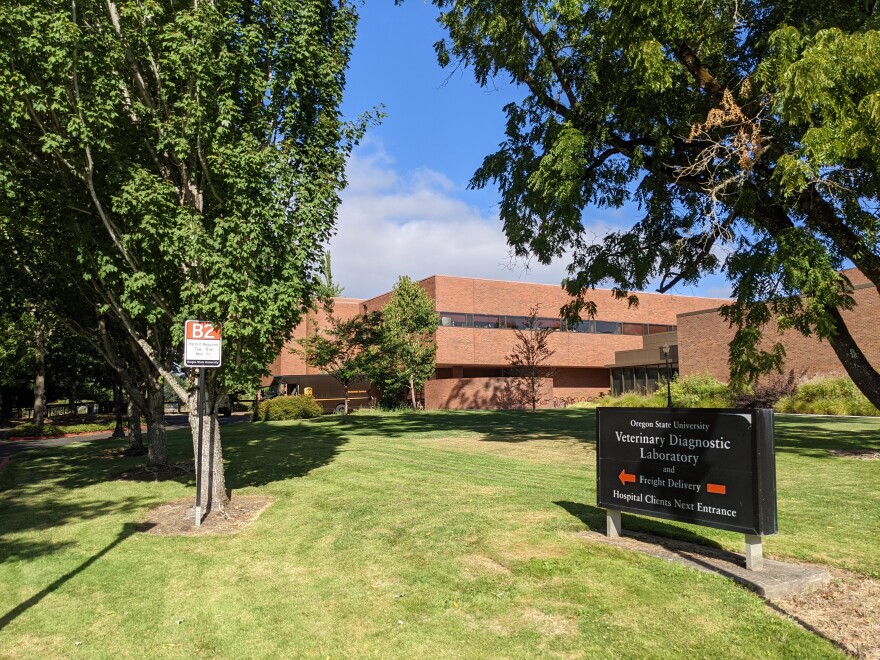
x: 704, y: 466
x: 202, y: 349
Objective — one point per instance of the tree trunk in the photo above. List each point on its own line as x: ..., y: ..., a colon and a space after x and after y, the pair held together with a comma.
x: 119, y: 431
x: 213, y: 482
x: 854, y: 361
x: 135, y: 437
x: 157, y: 450
x: 40, y: 376
x: 412, y: 389
x: 72, y: 402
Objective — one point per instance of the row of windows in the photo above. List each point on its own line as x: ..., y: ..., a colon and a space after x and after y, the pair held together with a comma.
x: 642, y: 380
x: 453, y: 319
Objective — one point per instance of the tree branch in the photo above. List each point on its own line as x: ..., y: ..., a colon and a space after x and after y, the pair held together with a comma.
x: 689, y: 60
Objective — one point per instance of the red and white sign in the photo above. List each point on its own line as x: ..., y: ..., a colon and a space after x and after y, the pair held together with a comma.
x: 201, y: 345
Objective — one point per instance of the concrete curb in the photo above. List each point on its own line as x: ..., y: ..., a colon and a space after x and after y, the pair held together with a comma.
x: 777, y: 579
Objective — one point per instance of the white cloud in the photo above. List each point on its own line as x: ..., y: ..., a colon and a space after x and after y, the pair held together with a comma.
x: 418, y: 223
x: 414, y: 224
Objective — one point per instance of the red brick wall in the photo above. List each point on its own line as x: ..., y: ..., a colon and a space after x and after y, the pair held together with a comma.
x: 478, y: 393
x: 288, y: 363
x: 581, y: 383
x: 377, y: 303
x: 703, y: 340
x: 476, y: 346
x: 461, y: 294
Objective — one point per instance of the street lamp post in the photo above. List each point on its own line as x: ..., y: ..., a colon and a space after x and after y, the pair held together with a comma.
x: 665, y: 351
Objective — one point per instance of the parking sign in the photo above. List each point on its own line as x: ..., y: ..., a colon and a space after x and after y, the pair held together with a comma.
x: 202, y: 345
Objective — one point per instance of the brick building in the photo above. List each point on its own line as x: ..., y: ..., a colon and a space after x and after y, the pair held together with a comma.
x: 621, y: 350
x: 703, y: 338
x: 476, y: 335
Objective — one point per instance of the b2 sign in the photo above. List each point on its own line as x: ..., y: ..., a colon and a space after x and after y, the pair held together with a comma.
x: 709, y: 467
x: 201, y: 344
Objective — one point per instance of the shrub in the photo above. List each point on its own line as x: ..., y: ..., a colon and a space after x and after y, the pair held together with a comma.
x: 767, y: 393
x: 634, y: 400
x: 88, y: 428
x: 697, y: 391
x: 826, y: 395
x: 289, y: 407
x: 31, y: 430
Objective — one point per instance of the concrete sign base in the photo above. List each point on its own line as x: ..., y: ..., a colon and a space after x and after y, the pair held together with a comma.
x: 776, y: 580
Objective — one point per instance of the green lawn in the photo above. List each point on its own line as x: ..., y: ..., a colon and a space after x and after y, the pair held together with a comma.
x: 432, y: 535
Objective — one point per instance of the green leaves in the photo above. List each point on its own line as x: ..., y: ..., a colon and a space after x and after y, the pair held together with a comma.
x: 746, y: 131
x: 404, y: 356
x: 193, y: 154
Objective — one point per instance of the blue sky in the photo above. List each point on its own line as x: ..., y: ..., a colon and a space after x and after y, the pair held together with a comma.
x: 407, y: 210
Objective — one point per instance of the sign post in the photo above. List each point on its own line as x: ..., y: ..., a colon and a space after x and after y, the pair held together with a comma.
x: 202, y: 349
x: 708, y: 467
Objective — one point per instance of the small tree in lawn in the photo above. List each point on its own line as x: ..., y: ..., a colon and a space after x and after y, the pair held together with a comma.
x: 407, y: 347
x: 529, y: 353
x: 341, y: 352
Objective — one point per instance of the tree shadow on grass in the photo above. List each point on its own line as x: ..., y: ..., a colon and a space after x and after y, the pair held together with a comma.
x: 127, y: 530
x: 265, y: 454
x: 254, y: 456
x: 817, y: 437
x: 594, y: 518
x: 29, y: 512
x: 31, y: 488
x: 490, y: 426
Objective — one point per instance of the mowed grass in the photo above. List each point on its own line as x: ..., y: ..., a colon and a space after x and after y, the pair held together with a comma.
x: 425, y: 535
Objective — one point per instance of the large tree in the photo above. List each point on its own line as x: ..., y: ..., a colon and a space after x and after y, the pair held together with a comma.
x: 405, y: 355
x: 747, y: 131
x: 193, y: 155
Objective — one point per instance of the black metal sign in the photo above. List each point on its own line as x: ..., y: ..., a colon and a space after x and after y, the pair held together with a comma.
x: 703, y: 466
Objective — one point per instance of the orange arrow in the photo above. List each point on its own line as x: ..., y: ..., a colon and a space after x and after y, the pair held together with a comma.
x: 624, y: 477
x: 718, y: 489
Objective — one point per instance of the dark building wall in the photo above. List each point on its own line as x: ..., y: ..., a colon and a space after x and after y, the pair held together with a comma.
x: 580, y: 383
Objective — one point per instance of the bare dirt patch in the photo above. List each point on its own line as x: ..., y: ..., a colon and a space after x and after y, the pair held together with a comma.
x: 847, y: 611
x: 861, y: 454
x: 153, y: 473
x: 480, y: 564
x: 548, y: 624
x: 177, y: 518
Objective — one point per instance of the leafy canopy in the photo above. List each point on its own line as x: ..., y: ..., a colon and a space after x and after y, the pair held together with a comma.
x: 192, y: 153
x: 747, y: 132
x: 405, y: 355
x: 341, y: 350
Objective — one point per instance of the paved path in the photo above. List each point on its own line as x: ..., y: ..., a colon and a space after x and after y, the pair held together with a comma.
x: 9, y: 448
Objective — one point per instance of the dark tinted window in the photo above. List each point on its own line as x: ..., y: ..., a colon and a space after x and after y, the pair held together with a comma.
x: 449, y: 319
x: 581, y: 326
x: 553, y: 324
x: 607, y: 327
x: 486, y: 321
x: 632, y: 328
